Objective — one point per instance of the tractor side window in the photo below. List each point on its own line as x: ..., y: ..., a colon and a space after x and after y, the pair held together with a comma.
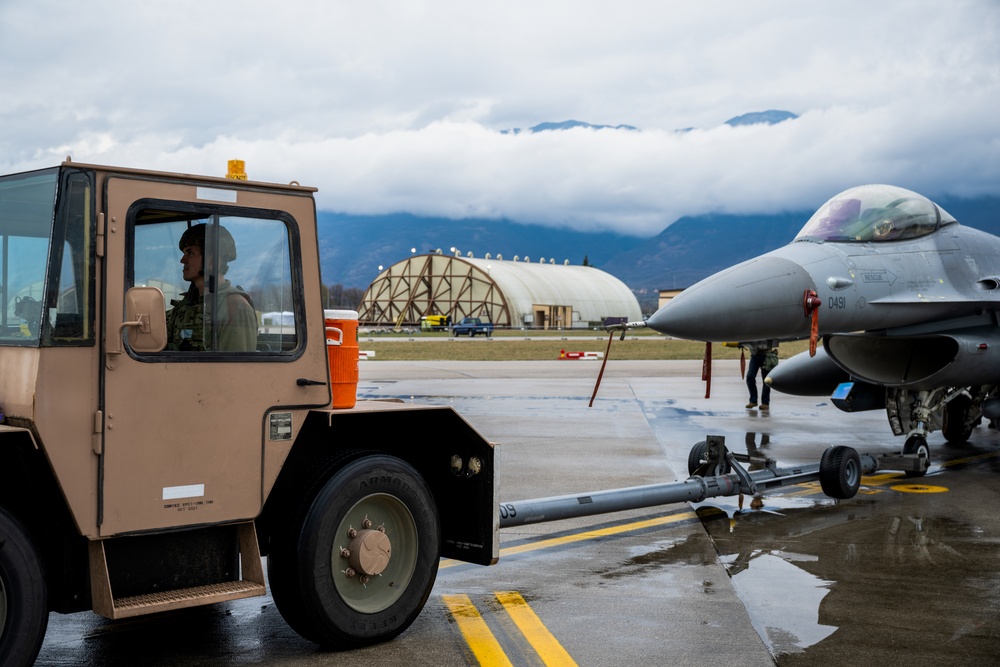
x: 227, y: 280
x: 70, y: 297
x: 27, y: 203
x: 22, y: 261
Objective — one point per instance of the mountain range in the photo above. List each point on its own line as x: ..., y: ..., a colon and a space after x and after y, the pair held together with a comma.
x: 354, y: 248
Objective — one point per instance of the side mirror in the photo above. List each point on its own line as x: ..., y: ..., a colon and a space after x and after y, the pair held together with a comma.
x: 146, y: 315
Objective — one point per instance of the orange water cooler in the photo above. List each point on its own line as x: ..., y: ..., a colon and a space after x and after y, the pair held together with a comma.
x: 342, y: 349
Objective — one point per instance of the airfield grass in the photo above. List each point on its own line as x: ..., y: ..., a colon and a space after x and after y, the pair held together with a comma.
x: 504, y: 346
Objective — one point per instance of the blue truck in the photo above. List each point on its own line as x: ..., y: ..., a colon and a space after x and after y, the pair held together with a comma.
x: 472, y: 326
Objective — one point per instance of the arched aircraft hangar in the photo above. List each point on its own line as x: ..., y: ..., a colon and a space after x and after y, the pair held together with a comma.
x: 509, y: 293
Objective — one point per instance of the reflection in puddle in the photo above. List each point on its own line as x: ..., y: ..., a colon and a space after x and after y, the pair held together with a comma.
x: 788, y: 623
x: 840, y: 583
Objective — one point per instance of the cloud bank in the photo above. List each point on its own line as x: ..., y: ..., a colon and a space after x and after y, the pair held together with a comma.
x: 401, y: 106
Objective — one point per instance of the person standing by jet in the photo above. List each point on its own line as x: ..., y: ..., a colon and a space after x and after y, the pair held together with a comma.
x: 763, y: 358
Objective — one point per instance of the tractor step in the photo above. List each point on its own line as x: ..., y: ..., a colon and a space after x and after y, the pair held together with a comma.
x: 138, y: 605
x: 250, y: 584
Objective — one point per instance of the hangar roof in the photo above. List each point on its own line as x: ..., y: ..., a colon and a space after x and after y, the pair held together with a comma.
x: 592, y: 293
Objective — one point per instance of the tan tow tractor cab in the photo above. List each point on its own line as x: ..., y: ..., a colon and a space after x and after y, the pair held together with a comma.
x: 167, y: 419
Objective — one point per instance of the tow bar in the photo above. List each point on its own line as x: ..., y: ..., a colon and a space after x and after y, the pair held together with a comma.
x: 715, y: 471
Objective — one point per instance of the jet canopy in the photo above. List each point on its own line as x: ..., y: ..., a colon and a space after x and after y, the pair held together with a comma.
x: 874, y: 213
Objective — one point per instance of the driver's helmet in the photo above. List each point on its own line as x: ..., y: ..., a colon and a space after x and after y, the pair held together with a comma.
x: 195, y: 236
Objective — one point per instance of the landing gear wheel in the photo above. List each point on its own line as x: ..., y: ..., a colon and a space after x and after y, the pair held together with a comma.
x: 362, y: 558
x: 840, y: 472
x: 953, y: 425
x: 697, y: 465
x: 24, y: 613
x: 917, y: 444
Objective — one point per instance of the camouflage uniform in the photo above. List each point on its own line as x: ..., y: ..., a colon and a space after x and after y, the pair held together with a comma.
x: 763, y: 358
x: 236, y: 323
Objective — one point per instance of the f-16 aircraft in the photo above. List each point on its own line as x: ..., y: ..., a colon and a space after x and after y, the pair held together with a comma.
x: 904, y: 298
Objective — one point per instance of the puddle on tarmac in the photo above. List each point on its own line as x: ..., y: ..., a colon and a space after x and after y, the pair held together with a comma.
x: 660, y: 554
x: 857, y: 569
x: 789, y: 623
x: 667, y: 410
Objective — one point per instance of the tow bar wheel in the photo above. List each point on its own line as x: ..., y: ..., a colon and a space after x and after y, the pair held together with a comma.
x: 699, y: 463
x: 362, y: 561
x: 840, y: 472
x: 24, y: 613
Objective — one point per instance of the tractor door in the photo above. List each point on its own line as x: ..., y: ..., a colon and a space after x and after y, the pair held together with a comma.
x: 195, y: 433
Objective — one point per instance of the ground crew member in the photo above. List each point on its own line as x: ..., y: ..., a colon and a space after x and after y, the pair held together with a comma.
x: 763, y: 358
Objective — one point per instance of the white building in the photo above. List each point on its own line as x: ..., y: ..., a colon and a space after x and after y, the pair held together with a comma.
x: 509, y: 293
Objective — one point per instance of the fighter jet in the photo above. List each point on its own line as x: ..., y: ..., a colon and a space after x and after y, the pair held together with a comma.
x: 903, y: 297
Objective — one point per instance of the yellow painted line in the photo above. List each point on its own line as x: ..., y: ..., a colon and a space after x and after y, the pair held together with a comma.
x: 547, y: 646
x: 918, y: 488
x: 477, y: 634
x: 804, y: 489
x: 881, y: 479
x: 970, y: 459
x: 586, y: 535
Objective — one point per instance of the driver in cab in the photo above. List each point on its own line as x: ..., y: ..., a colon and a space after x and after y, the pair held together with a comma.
x: 213, y: 314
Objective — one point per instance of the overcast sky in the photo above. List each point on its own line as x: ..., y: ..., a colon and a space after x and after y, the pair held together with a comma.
x: 398, y: 106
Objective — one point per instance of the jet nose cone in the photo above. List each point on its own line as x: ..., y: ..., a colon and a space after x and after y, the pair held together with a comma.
x: 756, y: 300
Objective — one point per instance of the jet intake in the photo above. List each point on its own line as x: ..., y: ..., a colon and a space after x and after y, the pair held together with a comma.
x: 858, y: 397
x: 955, y: 359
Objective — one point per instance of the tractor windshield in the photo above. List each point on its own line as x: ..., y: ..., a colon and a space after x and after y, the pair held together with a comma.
x: 874, y: 213
x: 46, y: 293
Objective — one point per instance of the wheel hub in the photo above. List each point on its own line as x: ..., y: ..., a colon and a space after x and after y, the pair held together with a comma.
x: 376, y: 561
x: 370, y: 552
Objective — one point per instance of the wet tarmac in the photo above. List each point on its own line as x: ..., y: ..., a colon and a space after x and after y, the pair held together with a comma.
x: 907, y: 572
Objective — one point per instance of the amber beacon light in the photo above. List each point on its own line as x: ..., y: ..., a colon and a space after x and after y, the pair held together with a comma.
x: 237, y: 170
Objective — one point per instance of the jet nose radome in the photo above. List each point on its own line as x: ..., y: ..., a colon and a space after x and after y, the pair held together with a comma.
x: 756, y: 300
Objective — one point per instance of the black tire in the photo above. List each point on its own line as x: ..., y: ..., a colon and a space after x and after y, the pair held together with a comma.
x: 699, y: 453
x: 840, y: 472
x: 953, y: 422
x: 310, y: 582
x: 24, y: 613
x: 917, y: 444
